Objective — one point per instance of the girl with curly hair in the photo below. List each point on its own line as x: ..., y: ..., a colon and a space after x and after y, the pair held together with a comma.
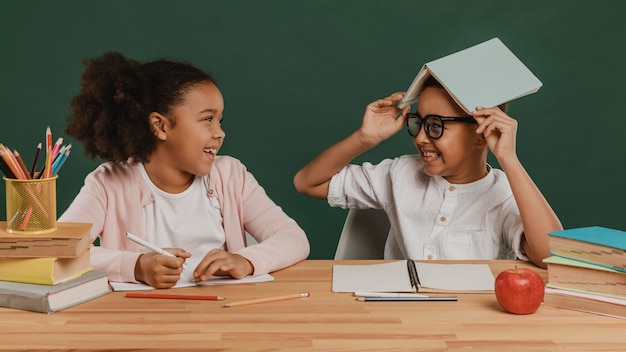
x: 157, y: 126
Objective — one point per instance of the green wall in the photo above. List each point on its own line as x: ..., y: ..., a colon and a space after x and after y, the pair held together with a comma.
x: 296, y: 76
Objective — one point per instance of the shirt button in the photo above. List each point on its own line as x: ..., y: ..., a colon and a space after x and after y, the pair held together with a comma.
x: 451, y: 188
x: 430, y: 257
x: 210, y: 192
x: 443, y: 219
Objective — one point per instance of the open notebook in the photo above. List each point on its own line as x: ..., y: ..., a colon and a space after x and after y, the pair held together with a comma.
x: 411, y: 276
x: 186, y: 279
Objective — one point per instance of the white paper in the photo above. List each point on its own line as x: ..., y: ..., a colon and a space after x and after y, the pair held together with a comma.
x: 455, y: 277
x: 387, y: 277
x: 185, y: 280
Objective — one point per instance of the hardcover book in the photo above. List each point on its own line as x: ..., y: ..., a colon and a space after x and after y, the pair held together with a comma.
x: 44, y: 270
x: 596, y: 245
x: 411, y: 276
x: 587, y: 302
x: 70, y: 239
x: 53, y: 298
x: 487, y: 74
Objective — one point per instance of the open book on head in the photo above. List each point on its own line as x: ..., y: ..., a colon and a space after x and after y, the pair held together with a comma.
x: 487, y: 74
x: 186, y: 279
x: 411, y: 276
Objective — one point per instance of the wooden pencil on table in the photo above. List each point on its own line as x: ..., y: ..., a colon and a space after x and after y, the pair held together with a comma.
x: 174, y: 296
x: 268, y: 299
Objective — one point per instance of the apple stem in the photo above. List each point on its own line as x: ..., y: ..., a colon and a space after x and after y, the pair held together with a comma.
x: 516, y: 269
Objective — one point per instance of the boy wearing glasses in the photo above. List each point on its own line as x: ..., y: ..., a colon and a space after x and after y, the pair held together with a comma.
x: 446, y: 202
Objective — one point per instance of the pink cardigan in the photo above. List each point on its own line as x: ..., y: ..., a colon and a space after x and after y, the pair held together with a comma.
x: 113, y: 197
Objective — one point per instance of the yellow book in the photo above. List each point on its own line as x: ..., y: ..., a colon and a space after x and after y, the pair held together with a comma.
x: 44, y: 270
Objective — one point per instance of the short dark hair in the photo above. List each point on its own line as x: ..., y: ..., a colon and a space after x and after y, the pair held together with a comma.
x: 109, y: 115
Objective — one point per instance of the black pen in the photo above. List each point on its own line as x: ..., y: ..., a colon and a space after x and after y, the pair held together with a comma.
x: 400, y: 299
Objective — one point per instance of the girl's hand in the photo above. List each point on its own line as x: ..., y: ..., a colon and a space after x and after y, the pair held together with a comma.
x: 382, y: 119
x: 500, y: 131
x: 160, y: 271
x: 220, y: 262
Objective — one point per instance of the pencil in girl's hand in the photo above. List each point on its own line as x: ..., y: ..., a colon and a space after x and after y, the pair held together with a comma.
x: 35, y: 158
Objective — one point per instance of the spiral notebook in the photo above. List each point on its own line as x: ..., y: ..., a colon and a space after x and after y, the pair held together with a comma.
x: 411, y: 276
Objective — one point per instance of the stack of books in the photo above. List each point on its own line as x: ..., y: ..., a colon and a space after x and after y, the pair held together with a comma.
x: 587, y: 271
x: 48, y: 272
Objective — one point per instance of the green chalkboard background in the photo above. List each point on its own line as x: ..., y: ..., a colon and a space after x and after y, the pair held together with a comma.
x: 297, y: 75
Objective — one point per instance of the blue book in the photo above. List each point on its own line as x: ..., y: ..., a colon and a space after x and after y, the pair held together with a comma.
x: 596, y: 245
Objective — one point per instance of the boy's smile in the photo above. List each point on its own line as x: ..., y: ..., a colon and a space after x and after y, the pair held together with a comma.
x: 456, y: 156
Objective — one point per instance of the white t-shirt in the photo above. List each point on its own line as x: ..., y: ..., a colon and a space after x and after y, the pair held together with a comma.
x: 431, y: 218
x: 190, y: 220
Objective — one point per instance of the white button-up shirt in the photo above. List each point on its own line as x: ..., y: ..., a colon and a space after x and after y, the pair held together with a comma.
x: 431, y: 218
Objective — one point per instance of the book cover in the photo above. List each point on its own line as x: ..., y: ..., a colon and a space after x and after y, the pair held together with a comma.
x: 487, y: 74
x: 595, y: 244
x: 585, y: 302
x: 411, y: 276
x: 69, y: 240
x: 574, y: 274
x: 53, y: 298
x: 44, y: 270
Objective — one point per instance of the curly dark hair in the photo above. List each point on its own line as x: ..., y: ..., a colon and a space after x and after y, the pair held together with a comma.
x: 109, y: 116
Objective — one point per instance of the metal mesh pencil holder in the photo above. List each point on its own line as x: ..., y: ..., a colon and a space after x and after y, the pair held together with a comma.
x: 31, y: 205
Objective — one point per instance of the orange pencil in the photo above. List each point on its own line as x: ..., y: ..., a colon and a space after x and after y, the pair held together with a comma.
x: 48, y: 165
x: 24, y: 224
x: 48, y: 138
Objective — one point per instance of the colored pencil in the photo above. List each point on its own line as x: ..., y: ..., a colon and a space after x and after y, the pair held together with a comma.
x: 59, y: 162
x: 55, y: 148
x: 8, y: 157
x: 406, y: 299
x: 268, y: 299
x: 169, y: 296
x: 20, y: 162
x: 35, y: 158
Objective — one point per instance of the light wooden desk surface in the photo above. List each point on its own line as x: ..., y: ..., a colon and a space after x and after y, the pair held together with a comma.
x: 326, y: 321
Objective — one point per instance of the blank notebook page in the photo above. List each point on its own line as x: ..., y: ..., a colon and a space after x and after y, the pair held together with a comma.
x: 387, y: 277
x: 455, y: 277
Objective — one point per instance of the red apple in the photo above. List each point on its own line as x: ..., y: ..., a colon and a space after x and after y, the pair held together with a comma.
x: 519, y: 291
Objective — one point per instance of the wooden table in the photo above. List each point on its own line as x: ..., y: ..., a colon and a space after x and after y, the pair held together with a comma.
x: 326, y: 321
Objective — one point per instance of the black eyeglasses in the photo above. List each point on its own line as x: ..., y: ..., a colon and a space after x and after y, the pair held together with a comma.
x: 433, y: 124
